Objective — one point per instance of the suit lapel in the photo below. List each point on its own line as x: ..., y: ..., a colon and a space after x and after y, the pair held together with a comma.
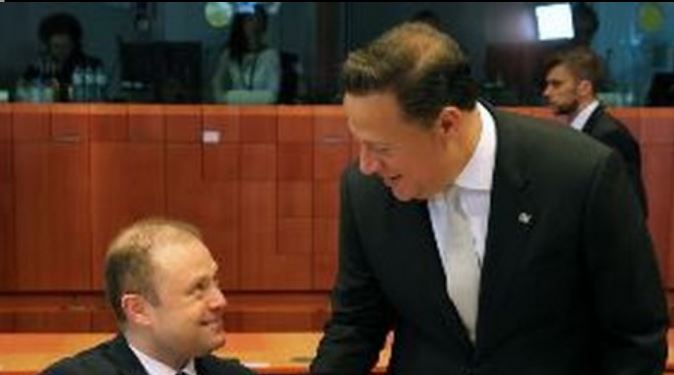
x: 593, y: 120
x: 123, y: 358
x: 512, y: 215
x: 418, y: 233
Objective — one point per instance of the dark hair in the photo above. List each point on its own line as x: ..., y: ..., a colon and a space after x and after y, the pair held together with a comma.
x: 582, y: 61
x: 422, y: 66
x: 128, y: 262
x: 61, y: 23
x: 585, y: 23
x: 238, y: 43
x: 429, y: 17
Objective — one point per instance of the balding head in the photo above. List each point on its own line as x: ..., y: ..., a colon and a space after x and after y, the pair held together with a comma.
x: 129, y: 266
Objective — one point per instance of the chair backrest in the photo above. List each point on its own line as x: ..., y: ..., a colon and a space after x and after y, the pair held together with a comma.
x: 288, y: 92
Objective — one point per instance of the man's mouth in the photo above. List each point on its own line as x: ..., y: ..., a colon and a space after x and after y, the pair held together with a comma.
x: 392, y: 180
x: 215, y: 324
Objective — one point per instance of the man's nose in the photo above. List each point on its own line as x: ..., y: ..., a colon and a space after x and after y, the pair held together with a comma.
x: 218, y: 299
x: 366, y: 162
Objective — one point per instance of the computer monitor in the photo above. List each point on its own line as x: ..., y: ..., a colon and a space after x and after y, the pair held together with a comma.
x: 168, y: 72
x: 554, y: 21
x: 661, y: 93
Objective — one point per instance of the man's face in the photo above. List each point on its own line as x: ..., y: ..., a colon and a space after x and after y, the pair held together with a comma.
x: 60, y: 47
x: 187, y: 321
x: 408, y: 158
x: 561, y: 90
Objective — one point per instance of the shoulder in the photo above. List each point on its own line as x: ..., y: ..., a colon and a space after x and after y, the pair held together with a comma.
x: 547, y: 148
x: 94, y: 360
x: 271, y: 54
x: 212, y: 365
x: 607, y: 127
x: 542, y: 134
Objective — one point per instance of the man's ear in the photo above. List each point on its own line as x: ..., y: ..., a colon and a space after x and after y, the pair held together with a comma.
x: 448, y: 120
x: 585, y: 88
x: 136, y: 308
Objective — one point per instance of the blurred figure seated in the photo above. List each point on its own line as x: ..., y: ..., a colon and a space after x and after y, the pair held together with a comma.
x: 61, y: 37
x: 248, y: 71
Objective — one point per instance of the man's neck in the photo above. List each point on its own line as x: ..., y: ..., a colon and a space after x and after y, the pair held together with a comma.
x: 583, y: 115
x: 582, y: 104
x: 163, y: 355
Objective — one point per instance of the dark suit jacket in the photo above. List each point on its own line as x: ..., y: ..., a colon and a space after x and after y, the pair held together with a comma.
x: 613, y: 133
x: 574, y: 291
x: 114, y: 357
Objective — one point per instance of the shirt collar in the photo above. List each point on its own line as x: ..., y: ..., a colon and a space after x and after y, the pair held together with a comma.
x: 155, y: 367
x: 581, y: 118
x: 479, y: 171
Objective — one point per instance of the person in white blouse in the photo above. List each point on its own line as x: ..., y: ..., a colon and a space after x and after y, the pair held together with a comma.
x: 248, y: 70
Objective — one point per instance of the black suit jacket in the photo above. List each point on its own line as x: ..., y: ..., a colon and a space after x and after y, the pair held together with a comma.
x: 574, y: 291
x: 613, y: 133
x: 114, y: 357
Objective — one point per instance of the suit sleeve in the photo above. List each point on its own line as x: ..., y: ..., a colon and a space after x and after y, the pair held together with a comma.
x: 629, y: 150
x: 628, y: 297
x: 361, y: 317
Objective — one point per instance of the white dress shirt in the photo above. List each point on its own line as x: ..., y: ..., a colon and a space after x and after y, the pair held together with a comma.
x: 474, y: 185
x: 579, y: 121
x: 154, y: 367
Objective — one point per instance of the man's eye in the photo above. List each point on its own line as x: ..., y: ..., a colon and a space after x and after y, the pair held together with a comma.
x: 382, y: 150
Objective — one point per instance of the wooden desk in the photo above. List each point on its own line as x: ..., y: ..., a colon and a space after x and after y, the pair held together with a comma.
x: 267, y: 353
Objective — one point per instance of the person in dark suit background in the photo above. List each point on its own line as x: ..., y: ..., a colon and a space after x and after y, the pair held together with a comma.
x: 572, y: 78
x: 488, y: 242
x: 161, y: 282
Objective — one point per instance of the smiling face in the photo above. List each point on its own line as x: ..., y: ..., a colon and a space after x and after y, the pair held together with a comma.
x: 413, y: 161
x: 187, y: 320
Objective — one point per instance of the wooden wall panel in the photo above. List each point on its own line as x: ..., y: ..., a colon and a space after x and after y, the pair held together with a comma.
x: 127, y: 176
x: 334, y: 148
x: 53, y: 321
x: 657, y: 148
x: 52, y: 213
x: 202, y: 181
x: 183, y: 123
x: 261, y: 182
x: 210, y: 204
x: 6, y: 322
x: 7, y: 254
x: 224, y: 120
x: 258, y: 124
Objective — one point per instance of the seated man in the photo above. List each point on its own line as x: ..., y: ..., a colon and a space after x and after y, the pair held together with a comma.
x: 162, y: 284
x: 61, y: 54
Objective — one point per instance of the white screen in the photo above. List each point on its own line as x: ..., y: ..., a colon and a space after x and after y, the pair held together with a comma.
x: 554, y: 21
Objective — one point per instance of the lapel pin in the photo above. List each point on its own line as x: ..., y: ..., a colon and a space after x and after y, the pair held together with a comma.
x: 524, y: 218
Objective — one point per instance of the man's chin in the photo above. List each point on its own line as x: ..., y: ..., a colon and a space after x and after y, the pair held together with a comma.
x: 217, y: 341
x: 401, y: 195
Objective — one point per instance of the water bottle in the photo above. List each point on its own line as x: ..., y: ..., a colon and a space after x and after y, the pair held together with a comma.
x: 48, y: 77
x: 89, y: 84
x: 79, y: 90
x: 35, y: 85
x: 101, y: 82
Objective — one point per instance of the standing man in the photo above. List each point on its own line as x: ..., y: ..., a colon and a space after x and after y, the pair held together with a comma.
x: 571, y: 81
x: 161, y: 282
x: 490, y: 243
